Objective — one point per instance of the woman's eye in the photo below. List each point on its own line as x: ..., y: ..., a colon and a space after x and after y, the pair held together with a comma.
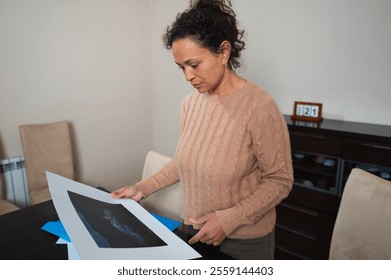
x: 194, y: 66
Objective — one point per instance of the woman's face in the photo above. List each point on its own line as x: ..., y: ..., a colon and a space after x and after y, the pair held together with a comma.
x: 202, y: 68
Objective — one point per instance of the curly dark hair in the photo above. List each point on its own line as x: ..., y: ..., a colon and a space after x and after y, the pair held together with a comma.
x: 209, y: 23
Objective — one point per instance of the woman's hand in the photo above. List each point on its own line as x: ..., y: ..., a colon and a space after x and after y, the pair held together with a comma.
x: 130, y: 191
x: 211, y: 231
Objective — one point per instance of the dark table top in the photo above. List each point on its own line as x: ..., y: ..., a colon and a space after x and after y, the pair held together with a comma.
x: 21, y: 236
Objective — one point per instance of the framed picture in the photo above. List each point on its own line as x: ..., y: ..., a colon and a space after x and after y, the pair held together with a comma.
x: 307, y: 111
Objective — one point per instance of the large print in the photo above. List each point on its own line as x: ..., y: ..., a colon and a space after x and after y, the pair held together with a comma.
x: 112, y: 225
x: 101, y: 227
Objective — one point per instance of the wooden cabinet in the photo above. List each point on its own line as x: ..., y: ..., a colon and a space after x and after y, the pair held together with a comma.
x: 323, y: 156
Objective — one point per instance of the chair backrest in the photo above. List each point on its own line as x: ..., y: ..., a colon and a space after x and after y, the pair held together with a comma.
x: 362, y: 230
x: 167, y: 202
x: 46, y: 147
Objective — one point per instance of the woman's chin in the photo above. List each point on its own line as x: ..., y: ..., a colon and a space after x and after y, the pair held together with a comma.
x: 203, y: 91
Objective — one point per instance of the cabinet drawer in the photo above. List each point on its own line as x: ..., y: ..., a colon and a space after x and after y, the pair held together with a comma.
x: 315, y: 142
x: 282, y: 254
x: 316, y: 200
x: 302, y: 233
x: 378, y: 153
x: 300, y: 246
x: 304, y: 221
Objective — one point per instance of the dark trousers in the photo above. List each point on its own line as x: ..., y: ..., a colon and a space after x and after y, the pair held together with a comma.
x: 261, y: 248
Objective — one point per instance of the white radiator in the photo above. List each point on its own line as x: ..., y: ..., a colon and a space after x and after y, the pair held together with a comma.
x: 13, y: 177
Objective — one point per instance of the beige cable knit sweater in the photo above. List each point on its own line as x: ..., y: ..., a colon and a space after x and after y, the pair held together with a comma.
x: 233, y: 158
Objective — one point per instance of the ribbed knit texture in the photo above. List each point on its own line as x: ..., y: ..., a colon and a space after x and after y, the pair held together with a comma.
x: 233, y: 158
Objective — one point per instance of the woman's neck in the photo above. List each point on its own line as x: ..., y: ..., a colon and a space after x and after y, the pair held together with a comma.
x: 230, y: 83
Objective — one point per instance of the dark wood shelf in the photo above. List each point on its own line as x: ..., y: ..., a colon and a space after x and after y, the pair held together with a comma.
x: 305, y: 219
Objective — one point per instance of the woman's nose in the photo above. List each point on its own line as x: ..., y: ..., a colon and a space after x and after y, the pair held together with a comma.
x: 189, y: 75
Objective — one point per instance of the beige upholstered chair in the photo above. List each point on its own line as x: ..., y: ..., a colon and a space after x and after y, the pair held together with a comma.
x: 363, y: 227
x: 167, y: 202
x: 46, y: 147
x: 5, y: 206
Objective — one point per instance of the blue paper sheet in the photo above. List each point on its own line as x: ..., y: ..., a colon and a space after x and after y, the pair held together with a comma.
x: 169, y: 223
x: 58, y: 229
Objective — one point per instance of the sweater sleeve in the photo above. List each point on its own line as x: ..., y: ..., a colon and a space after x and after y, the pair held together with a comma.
x: 168, y: 175
x: 272, y: 150
x: 163, y: 178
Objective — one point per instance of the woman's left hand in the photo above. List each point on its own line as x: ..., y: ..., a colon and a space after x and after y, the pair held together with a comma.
x: 211, y: 231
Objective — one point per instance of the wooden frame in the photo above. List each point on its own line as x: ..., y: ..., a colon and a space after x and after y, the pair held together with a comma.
x: 307, y: 111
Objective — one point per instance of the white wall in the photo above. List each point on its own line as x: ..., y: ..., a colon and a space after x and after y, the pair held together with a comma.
x: 101, y: 65
x: 336, y: 52
x: 169, y: 86
x: 83, y: 61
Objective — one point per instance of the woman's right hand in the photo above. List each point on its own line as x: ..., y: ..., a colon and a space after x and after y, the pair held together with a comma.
x: 130, y: 191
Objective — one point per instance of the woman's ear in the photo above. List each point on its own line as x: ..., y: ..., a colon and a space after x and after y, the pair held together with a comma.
x: 225, y: 51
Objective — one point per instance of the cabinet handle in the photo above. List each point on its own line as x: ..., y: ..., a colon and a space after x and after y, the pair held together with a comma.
x: 297, y: 232
x: 308, y: 135
x: 300, y: 209
x: 375, y: 146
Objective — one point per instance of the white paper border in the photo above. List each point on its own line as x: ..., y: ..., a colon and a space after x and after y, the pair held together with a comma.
x: 84, y: 243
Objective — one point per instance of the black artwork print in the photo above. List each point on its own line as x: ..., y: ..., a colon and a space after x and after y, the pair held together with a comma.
x: 112, y: 225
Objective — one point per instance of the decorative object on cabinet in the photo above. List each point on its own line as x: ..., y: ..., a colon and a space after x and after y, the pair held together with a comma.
x: 362, y: 230
x: 323, y: 157
x: 307, y: 111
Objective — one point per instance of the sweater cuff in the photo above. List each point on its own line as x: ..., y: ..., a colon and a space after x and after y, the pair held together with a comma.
x: 230, y: 219
x: 147, y: 186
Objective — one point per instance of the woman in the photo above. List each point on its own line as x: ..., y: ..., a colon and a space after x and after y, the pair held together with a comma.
x: 233, y: 157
